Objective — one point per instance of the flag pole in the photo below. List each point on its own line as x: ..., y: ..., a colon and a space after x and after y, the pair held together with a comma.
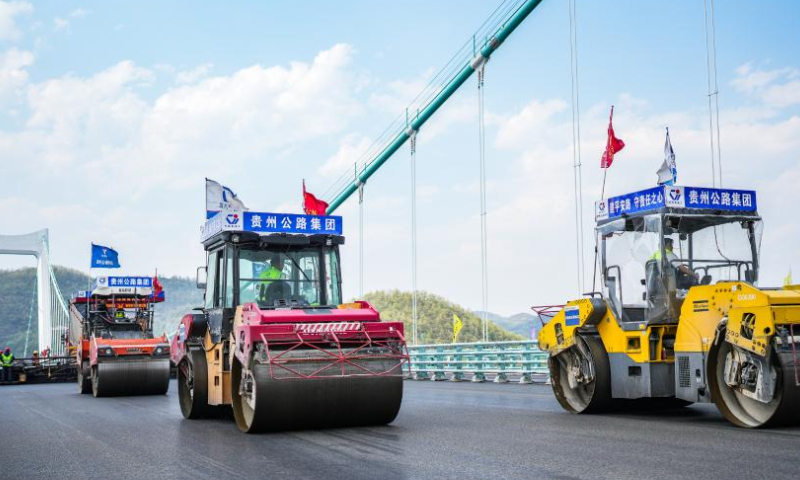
x: 603, y: 188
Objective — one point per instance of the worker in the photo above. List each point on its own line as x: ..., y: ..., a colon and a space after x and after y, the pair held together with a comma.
x: 6, y: 359
x: 120, y: 314
x: 274, y: 272
x: 35, y: 357
x: 686, y: 277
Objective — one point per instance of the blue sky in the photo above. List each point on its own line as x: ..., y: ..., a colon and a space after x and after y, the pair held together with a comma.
x: 114, y: 112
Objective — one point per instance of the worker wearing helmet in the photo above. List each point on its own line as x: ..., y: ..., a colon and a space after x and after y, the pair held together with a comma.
x: 688, y: 277
x: 268, y: 275
x: 6, y: 359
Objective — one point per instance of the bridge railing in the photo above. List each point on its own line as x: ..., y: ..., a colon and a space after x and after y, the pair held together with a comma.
x: 478, y: 362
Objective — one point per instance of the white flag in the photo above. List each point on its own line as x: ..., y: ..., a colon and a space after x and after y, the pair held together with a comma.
x: 219, y: 197
x: 668, y: 173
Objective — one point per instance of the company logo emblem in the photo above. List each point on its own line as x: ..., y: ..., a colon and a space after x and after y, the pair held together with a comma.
x: 675, y: 194
x: 602, y: 206
x: 232, y: 219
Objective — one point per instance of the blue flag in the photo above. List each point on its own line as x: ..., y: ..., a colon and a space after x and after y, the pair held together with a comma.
x: 104, y: 257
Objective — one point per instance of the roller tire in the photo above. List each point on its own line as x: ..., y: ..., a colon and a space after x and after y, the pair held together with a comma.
x: 96, y: 391
x: 194, y: 399
x: 596, y: 396
x: 745, y: 412
x: 84, y: 378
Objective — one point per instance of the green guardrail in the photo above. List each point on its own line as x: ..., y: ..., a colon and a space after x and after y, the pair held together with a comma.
x: 455, y: 361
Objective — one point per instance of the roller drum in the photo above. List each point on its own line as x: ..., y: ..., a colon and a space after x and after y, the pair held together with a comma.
x: 130, y: 377
x: 784, y: 408
x: 281, y: 403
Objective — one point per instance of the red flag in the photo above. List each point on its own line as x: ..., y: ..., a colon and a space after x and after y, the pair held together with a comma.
x: 311, y: 204
x: 157, y: 288
x: 613, y: 145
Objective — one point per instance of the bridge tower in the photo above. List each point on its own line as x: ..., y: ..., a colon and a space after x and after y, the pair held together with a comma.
x: 52, y: 312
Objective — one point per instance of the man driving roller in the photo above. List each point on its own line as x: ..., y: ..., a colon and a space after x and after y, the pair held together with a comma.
x: 268, y: 275
x: 275, y: 270
x: 689, y: 277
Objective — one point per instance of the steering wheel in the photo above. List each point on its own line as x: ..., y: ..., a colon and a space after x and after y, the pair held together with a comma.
x: 685, y: 280
x: 277, y: 289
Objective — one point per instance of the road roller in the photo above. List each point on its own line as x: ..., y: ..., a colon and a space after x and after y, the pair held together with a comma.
x: 274, y: 341
x: 680, y: 318
x: 111, y: 330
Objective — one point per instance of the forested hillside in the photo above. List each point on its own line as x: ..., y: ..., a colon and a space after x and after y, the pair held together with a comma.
x: 435, y: 317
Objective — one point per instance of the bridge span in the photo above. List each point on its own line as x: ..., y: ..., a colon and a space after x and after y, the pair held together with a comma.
x: 444, y: 430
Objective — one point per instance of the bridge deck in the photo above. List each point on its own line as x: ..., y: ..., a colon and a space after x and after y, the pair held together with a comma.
x: 445, y: 430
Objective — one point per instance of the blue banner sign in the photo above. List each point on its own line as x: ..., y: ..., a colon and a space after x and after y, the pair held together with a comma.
x: 712, y: 198
x: 261, y: 222
x: 676, y: 197
x: 644, y: 200
x: 143, y: 282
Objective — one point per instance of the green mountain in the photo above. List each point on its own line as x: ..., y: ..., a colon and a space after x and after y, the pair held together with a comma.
x: 435, y: 317
x: 520, y: 323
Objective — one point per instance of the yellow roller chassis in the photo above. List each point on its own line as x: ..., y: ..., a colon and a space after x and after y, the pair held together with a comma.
x: 762, y: 323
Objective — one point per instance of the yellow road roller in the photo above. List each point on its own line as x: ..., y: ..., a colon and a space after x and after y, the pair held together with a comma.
x: 679, y: 318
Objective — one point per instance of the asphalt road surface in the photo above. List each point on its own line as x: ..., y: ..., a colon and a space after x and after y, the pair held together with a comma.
x: 444, y: 430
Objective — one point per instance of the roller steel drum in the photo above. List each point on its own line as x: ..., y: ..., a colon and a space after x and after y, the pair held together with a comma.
x: 278, y: 400
x: 130, y: 377
x: 784, y: 408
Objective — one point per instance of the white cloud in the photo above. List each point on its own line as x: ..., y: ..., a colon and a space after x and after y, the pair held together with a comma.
x: 13, y: 73
x: 351, y: 149
x: 61, y: 23
x: 8, y: 12
x: 193, y: 75
x: 777, y: 88
x: 105, y: 144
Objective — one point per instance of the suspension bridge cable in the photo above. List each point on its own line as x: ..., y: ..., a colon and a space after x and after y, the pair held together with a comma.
x: 713, y: 91
x: 30, y: 316
x: 360, y: 239
x: 576, y: 146
x: 484, y: 247
x: 413, y: 145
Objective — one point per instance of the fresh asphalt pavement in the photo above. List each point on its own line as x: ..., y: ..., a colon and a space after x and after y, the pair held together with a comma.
x: 444, y: 430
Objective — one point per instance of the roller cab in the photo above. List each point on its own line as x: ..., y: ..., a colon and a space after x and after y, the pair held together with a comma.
x: 680, y: 318
x: 274, y: 342
x: 111, y: 332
